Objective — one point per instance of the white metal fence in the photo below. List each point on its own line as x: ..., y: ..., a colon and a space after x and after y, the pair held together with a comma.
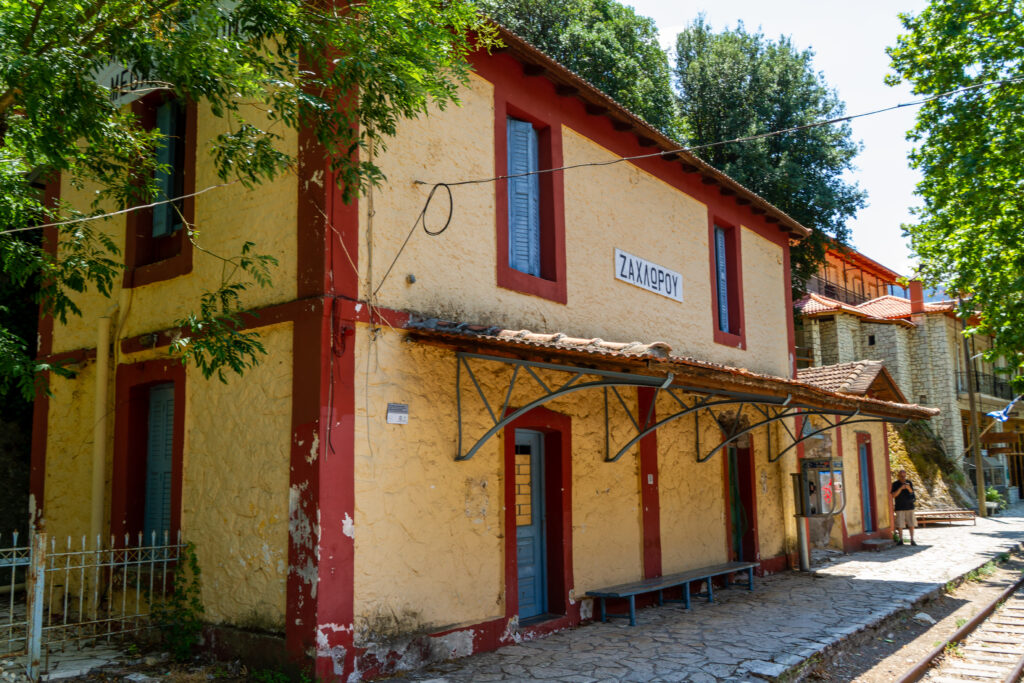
x: 58, y: 594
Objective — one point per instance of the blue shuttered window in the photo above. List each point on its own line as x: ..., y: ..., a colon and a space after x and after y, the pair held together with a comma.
x: 159, y: 461
x: 170, y: 174
x: 523, y: 199
x: 722, y: 279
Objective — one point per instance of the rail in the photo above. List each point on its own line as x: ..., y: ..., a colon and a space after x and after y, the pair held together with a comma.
x: 985, y: 384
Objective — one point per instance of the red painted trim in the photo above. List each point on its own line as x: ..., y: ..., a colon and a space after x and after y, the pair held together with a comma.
x: 138, y: 224
x: 557, y: 430
x: 839, y: 451
x: 130, y: 430
x: 650, y: 501
x: 774, y: 565
x: 863, y: 438
x: 516, y: 95
x: 504, y: 71
x: 41, y: 407
x: 734, y: 273
x: 787, y: 289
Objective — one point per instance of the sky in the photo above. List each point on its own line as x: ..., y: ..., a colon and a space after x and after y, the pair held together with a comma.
x: 849, y: 41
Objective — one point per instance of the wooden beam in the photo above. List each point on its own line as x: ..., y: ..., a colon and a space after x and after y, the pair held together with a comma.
x: 999, y: 437
x: 771, y: 219
x: 708, y: 180
x: 689, y: 168
x: 566, y: 90
x: 727, y: 192
x: 621, y: 125
x: 742, y: 201
x: 670, y: 156
x: 757, y: 209
x: 595, y: 109
x: 533, y: 69
x: 644, y: 142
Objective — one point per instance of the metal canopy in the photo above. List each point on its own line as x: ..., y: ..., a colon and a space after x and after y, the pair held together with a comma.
x: 690, y: 401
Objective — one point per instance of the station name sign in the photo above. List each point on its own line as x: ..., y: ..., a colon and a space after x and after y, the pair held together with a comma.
x: 650, y: 276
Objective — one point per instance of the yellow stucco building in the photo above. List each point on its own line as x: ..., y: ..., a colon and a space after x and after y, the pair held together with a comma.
x: 564, y: 381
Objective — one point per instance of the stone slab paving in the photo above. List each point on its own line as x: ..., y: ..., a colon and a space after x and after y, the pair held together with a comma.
x: 749, y: 636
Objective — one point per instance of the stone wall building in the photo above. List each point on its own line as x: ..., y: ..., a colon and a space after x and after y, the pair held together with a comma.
x: 922, y: 347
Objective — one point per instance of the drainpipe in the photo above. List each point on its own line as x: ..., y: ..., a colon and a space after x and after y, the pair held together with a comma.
x: 99, y: 425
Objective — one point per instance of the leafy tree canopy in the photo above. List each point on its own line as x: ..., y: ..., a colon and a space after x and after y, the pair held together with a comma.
x: 735, y: 84
x: 606, y: 43
x: 970, y: 149
x: 260, y: 65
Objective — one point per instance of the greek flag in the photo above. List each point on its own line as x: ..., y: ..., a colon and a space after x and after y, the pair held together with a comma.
x: 1004, y: 414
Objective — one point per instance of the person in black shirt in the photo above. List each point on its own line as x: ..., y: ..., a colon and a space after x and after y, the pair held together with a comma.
x: 903, y: 503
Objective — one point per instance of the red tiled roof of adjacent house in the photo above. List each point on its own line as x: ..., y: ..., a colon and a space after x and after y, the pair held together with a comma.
x: 891, y: 307
x: 645, y: 355
x: 886, y: 307
x: 858, y: 377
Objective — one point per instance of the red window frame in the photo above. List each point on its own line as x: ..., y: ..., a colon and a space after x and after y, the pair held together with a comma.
x: 128, y: 487
x: 551, y: 284
x: 736, y: 336
x: 151, y: 259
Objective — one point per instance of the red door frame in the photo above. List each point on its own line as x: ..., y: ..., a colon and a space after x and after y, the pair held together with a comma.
x: 863, y: 438
x: 127, y: 491
x: 752, y: 488
x: 557, y: 431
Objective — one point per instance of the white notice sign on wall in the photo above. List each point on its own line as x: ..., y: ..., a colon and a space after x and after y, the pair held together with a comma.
x: 398, y: 413
x: 647, y: 275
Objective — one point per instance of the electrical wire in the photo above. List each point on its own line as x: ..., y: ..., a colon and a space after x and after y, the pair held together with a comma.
x: 694, y: 148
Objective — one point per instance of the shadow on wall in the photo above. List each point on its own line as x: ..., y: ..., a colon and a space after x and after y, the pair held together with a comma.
x: 938, y: 481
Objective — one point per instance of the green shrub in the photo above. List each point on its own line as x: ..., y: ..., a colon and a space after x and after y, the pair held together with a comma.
x: 180, y: 617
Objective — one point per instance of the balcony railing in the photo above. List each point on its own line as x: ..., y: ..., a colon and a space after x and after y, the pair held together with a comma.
x: 817, y: 285
x: 985, y: 384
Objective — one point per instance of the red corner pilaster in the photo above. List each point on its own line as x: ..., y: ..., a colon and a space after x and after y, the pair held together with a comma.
x: 649, y: 499
x: 322, y: 484
x: 41, y: 408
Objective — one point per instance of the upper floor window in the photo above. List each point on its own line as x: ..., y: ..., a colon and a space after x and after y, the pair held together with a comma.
x: 727, y: 285
x: 523, y: 198
x: 530, y: 212
x: 157, y: 246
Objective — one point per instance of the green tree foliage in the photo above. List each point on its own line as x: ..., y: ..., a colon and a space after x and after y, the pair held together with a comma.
x: 348, y: 72
x: 735, y: 84
x: 606, y: 43
x: 970, y: 150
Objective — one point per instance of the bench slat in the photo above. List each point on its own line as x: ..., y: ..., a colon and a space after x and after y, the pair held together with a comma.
x: 670, y: 581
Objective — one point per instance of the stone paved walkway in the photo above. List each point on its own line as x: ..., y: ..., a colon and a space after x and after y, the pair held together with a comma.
x: 749, y: 636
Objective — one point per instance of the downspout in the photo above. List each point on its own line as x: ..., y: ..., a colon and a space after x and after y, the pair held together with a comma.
x: 99, y: 426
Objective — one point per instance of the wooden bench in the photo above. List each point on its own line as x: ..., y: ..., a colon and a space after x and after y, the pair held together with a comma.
x: 923, y: 517
x: 629, y: 591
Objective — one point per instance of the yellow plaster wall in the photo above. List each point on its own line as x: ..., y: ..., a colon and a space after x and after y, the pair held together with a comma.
x: 225, y: 219
x: 68, y: 478
x: 605, y: 207
x: 235, y: 488
x: 235, y: 477
x: 851, y: 464
x: 429, y: 531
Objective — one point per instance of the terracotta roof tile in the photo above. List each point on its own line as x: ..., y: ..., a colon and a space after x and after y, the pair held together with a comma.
x: 890, y: 307
x: 660, y: 352
x: 846, y: 378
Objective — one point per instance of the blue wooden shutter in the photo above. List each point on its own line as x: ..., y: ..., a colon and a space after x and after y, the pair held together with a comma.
x: 165, y: 217
x: 722, y: 279
x: 523, y: 199
x: 159, y: 461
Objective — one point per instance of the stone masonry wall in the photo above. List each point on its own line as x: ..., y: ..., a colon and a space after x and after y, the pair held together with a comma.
x: 933, y: 368
x: 891, y: 345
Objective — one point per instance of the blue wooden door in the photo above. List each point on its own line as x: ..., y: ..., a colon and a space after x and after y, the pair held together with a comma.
x: 530, y: 560
x: 865, y: 488
x: 159, y: 461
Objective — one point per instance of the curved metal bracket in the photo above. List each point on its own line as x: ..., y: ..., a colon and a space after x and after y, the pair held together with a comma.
x: 842, y: 423
x: 699, y: 405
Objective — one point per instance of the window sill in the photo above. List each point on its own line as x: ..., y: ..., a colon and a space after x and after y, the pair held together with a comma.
x: 737, y: 341
x: 553, y: 290
x: 158, y: 271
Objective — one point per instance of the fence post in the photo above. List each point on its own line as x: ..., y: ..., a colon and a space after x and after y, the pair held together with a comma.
x: 36, y: 590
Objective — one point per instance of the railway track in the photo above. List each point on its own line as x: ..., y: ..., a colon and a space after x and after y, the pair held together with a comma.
x: 989, y: 648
